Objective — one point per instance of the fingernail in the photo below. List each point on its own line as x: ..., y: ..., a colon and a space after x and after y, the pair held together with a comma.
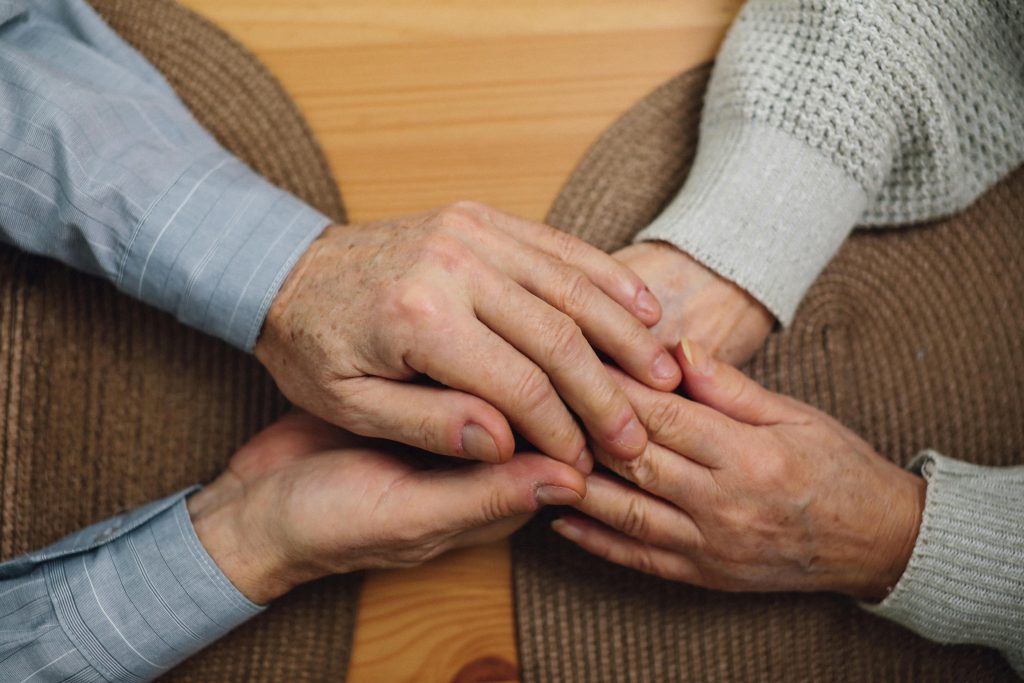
x: 664, y: 367
x: 646, y: 304
x: 548, y: 494
x: 563, y: 528
x: 478, y: 444
x: 695, y: 355
x: 632, y: 437
x: 585, y: 463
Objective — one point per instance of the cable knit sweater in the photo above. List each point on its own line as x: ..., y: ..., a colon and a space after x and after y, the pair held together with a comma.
x: 825, y: 114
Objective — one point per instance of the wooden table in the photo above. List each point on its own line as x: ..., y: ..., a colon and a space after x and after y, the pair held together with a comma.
x: 418, y: 104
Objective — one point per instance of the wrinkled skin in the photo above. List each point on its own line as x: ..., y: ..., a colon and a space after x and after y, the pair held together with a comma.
x: 742, y: 489
x: 727, y: 321
x: 504, y: 315
x: 304, y: 499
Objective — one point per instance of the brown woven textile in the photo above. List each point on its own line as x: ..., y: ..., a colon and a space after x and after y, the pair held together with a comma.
x: 914, y: 338
x: 106, y: 404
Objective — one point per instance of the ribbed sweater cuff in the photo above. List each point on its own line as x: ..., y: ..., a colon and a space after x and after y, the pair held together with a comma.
x: 965, y: 579
x: 762, y: 209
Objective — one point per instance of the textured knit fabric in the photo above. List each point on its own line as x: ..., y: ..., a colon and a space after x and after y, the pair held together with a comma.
x: 914, y: 338
x: 103, y: 168
x: 107, y: 404
x: 965, y: 580
x: 827, y: 114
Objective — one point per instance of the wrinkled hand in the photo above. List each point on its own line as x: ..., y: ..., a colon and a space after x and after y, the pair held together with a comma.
x: 699, y: 303
x: 499, y: 310
x: 304, y: 499
x: 752, y: 491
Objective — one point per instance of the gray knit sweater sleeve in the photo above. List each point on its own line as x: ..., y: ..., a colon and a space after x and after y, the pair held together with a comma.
x: 965, y: 579
x: 823, y: 114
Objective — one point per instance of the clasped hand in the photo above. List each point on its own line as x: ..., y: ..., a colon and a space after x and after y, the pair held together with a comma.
x: 504, y: 314
x: 736, y: 488
x: 742, y: 489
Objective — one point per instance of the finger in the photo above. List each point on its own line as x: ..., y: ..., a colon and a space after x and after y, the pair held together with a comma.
x: 666, y: 474
x: 686, y: 427
x: 616, y: 547
x: 439, y: 420
x: 726, y: 389
x: 557, y: 345
x: 461, y: 499
x: 472, y: 358
x: 639, y: 515
x: 613, y: 277
x: 489, y: 533
x: 606, y: 324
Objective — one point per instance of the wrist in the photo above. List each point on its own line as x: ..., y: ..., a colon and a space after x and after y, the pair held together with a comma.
x: 895, y: 543
x: 275, y: 333
x: 226, y: 528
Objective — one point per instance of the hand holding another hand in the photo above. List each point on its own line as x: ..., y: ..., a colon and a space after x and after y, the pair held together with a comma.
x: 741, y: 489
x: 500, y: 311
x: 304, y: 499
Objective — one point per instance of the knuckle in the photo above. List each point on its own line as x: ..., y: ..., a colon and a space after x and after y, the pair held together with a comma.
x: 441, y: 247
x: 414, y: 305
x: 634, y: 520
x: 769, y: 469
x: 641, y: 559
x: 495, y: 507
x: 575, y: 292
x: 567, y: 247
x: 410, y: 537
x: 644, y: 471
x: 565, y: 341
x: 665, y: 415
x: 462, y: 217
x: 532, y: 391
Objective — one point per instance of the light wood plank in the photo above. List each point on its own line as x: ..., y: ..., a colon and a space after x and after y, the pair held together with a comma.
x: 419, y: 104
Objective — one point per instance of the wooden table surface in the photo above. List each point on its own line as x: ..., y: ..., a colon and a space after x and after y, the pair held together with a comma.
x: 418, y: 104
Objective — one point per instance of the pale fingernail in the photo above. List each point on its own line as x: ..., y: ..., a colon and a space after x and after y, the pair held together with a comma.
x: 695, y: 355
x: 478, y: 444
x: 646, y: 304
x: 585, y: 463
x: 549, y: 494
x: 563, y: 528
x: 632, y: 437
x: 664, y: 367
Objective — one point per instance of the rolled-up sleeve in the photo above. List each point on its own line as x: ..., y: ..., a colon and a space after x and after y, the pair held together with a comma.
x: 124, y: 600
x: 102, y: 167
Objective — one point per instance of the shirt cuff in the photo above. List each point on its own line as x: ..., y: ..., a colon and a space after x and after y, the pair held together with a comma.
x: 216, y: 246
x: 142, y: 603
x: 964, y: 582
x: 763, y: 210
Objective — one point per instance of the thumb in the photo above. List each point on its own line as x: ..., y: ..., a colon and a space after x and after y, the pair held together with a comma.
x: 470, y: 497
x: 726, y: 389
x: 435, y: 419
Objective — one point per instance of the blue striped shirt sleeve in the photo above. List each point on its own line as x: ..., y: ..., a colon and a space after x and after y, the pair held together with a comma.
x: 123, y: 600
x: 103, y: 168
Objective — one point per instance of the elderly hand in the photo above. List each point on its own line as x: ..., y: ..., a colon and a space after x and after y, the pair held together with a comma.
x: 699, y: 303
x: 499, y: 310
x: 751, y: 491
x: 304, y: 499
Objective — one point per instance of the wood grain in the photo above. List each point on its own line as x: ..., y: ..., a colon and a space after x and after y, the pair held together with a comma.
x: 419, y: 104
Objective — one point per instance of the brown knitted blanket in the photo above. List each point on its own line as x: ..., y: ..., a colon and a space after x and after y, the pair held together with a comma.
x: 914, y: 338
x: 106, y: 404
